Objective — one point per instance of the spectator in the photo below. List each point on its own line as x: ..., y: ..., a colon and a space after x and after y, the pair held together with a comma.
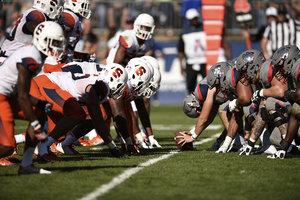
x: 191, y: 47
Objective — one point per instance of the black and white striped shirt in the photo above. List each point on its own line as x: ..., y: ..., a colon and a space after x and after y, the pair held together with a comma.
x: 282, y: 33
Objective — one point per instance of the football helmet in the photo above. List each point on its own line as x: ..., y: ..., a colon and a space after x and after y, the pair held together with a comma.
x: 143, y: 26
x: 152, y: 61
x: 116, y: 77
x: 249, y: 63
x: 145, y: 62
x: 51, y: 8
x: 216, y: 77
x: 191, y: 106
x: 48, y: 37
x: 139, y: 75
x: 154, y: 84
x: 81, y: 7
x: 285, y: 57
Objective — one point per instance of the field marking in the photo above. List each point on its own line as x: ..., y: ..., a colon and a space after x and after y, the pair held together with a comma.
x: 129, y: 172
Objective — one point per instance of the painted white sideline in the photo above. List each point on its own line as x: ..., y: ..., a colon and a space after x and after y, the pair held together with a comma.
x: 129, y: 172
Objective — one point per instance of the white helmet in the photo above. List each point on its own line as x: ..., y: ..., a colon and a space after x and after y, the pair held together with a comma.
x: 141, y: 60
x: 152, y: 61
x: 116, y: 77
x: 139, y: 75
x: 48, y: 37
x: 82, y: 7
x: 143, y: 26
x: 52, y: 8
x: 154, y: 84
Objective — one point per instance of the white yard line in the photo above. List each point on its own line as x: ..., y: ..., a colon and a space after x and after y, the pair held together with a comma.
x: 130, y: 172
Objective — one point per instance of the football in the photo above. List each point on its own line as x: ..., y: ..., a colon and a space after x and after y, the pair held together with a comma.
x: 186, y: 147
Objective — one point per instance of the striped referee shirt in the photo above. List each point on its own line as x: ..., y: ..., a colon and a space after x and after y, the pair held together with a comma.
x: 282, y: 33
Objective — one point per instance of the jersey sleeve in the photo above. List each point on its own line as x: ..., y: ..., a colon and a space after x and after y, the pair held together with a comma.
x: 30, y: 64
x: 267, y: 73
x: 233, y: 77
x: 201, y: 92
x: 125, y: 41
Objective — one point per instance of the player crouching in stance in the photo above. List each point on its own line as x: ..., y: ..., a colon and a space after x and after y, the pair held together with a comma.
x: 16, y: 73
x: 68, y: 91
x: 205, y: 101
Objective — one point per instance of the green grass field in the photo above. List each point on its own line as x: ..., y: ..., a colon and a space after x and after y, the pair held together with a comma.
x: 199, y: 174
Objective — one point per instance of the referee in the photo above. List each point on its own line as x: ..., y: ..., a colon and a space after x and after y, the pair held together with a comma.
x: 279, y: 33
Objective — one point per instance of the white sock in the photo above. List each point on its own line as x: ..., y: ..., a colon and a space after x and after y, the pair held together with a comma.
x: 91, y: 134
x: 70, y: 139
x: 20, y: 138
x: 27, y: 156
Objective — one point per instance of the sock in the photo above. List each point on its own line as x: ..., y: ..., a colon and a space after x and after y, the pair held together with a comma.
x: 20, y: 138
x: 70, y: 139
x: 43, y: 147
x: 91, y: 134
x: 27, y: 156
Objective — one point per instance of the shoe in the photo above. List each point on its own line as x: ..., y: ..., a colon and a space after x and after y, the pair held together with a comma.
x: 117, y: 153
x: 69, y: 150
x: 15, y: 153
x: 31, y: 169
x: 83, y: 142
x: 49, y: 158
x: 96, y: 141
x: 216, y: 145
x: 246, y: 150
x: 279, y: 154
x: 6, y: 162
x: 266, y: 149
x: 57, y: 148
x: 222, y: 149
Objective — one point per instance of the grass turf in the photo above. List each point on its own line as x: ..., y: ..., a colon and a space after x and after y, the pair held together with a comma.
x: 199, y: 174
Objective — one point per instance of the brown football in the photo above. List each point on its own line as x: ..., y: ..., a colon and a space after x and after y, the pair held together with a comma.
x: 186, y: 147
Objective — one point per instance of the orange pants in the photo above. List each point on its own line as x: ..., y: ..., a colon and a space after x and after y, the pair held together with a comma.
x: 64, y: 104
x: 10, y: 110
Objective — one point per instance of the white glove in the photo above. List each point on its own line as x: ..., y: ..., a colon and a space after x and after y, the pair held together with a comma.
x: 279, y: 154
x: 144, y: 144
x: 256, y: 96
x: 222, y: 149
x: 92, y: 57
x: 232, y: 105
x: 153, y: 141
x: 246, y: 150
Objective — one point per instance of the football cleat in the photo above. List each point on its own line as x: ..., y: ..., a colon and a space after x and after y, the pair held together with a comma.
x: 31, y: 169
x: 51, y: 157
x: 6, y: 162
x: 279, y: 154
x: 216, y: 145
x: 222, y: 149
x: 83, y: 142
x: 246, y: 150
x: 15, y: 153
x: 69, y: 150
x: 96, y: 141
x: 117, y: 153
x: 57, y: 148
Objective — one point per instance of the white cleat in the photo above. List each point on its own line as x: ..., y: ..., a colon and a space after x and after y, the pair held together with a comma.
x: 31, y: 169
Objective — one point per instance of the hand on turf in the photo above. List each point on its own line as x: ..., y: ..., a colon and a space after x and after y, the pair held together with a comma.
x: 117, y: 153
x: 222, y: 149
x: 185, y: 137
x: 246, y: 150
x: 153, y: 142
x: 40, y: 133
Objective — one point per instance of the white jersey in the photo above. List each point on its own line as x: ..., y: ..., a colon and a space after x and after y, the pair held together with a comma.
x: 76, y: 83
x: 74, y: 32
x: 128, y: 40
x: 29, y: 57
x: 20, y: 35
x: 83, y: 67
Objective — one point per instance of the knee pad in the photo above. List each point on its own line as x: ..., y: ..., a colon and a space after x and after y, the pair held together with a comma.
x: 277, y: 119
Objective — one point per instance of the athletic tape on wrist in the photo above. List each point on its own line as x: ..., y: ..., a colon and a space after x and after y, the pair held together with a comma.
x: 194, y: 135
x: 35, y: 124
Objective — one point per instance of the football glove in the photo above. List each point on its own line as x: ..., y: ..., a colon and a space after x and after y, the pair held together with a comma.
x: 246, y: 150
x: 279, y: 154
x: 89, y: 57
x: 117, y: 153
x: 45, y: 106
x: 222, y: 149
x: 232, y: 105
x: 256, y: 96
x: 153, y: 141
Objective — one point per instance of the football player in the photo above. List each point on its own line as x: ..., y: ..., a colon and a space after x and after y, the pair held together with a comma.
x: 16, y: 73
x: 22, y: 32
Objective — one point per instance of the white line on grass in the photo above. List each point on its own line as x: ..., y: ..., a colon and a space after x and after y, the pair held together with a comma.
x: 129, y: 172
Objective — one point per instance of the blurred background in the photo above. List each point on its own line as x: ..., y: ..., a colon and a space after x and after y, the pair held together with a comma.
x: 110, y: 17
